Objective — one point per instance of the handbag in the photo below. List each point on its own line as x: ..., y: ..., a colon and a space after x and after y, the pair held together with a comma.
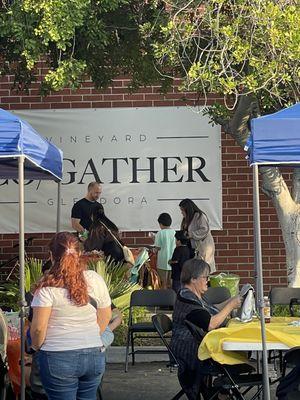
x: 247, y: 310
x: 127, y: 253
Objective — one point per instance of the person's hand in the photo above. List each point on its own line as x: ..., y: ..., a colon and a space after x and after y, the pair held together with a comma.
x: 236, y: 301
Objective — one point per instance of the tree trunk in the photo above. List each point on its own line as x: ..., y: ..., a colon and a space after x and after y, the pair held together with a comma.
x: 274, y: 186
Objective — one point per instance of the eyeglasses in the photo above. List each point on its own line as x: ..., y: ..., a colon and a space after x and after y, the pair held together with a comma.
x: 205, y: 277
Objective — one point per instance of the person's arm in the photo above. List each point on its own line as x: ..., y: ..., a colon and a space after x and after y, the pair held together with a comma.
x: 220, y: 306
x: 103, y: 301
x: 116, y: 319
x: 175, y: 257
x: 39, y: 325
x: 76, y: 225
x: 201, y: 229
x: 203, y: 319
x: 218, y: 319
x: 103, y: 317
x: 157, y: 242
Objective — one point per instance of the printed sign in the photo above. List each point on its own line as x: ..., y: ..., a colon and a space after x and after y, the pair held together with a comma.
x: 147, y: 159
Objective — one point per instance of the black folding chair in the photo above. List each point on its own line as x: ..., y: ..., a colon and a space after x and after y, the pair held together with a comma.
x: 216, y: 295
x: 288, y: 387
x: 162, y: 298
x: 282, y: 296
x: 294, y: 303
x: 163, y: 326
x: 232, y: 378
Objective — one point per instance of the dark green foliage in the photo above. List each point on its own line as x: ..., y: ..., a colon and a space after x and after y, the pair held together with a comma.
x: 78, y: 39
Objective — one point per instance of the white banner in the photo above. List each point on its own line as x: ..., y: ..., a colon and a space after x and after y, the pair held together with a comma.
x: 148, y: 159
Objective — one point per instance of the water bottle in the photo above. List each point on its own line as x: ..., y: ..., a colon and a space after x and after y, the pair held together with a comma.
x: 267, y: 310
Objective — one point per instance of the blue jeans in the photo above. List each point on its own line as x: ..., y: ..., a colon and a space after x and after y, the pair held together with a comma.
x: 72, y: 374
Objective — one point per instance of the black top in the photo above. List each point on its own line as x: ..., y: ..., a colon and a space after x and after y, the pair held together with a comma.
x: 200, y: 318
x: 200, y: 311
x: 82, y: 210
x: 181, y: 254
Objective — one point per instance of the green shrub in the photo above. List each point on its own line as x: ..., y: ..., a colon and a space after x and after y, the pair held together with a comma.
x: 140, y: 314
x: 284, y: 311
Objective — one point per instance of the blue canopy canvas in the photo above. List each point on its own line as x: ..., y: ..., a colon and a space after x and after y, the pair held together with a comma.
x: 43, y: 160
x: 275, y: 138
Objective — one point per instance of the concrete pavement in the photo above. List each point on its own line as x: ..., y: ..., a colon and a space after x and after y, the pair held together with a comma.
x: 144, y: 381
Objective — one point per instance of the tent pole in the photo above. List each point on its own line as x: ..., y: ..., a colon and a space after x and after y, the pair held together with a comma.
x: 260, y: 291
x: 58, y: 207
x: 22, y: 269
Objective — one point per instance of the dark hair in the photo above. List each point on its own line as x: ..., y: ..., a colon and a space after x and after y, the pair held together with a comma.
x: 97, y: 212
x: 181, y: 236
x: 92, y: 184
x: 99, y: 234
x: 46, y: 265
x: 165, y: 219
x: 192, y: 269
x: 190, y: 209
x: 67, y: 268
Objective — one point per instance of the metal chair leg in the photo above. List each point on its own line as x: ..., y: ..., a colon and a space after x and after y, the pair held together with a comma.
x: 127, y: 351
x: 132, y: 348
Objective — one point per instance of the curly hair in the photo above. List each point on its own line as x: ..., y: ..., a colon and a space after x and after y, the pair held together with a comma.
x: 67, y: 268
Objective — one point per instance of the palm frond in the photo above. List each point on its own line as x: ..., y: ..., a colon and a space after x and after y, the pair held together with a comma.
x: 114, y: 275
x: 33, y: 272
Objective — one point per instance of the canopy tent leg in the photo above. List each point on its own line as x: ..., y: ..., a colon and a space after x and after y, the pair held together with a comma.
x: 22, y: 269
x: 259, y: 273
x: 58, y: 207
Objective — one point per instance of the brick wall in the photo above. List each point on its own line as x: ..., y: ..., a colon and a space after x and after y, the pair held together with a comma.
x: 234, y: 244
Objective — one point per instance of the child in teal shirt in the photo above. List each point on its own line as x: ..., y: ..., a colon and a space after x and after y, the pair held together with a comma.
x: 165, y: 245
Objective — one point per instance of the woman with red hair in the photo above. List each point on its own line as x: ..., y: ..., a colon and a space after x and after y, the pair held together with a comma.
x: 71, y: 308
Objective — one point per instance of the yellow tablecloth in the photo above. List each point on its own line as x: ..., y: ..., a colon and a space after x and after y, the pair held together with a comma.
x: 278, y: 330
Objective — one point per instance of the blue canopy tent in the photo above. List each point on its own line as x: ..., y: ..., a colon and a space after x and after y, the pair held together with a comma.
x: 24, y: 154
x: 274, y: 140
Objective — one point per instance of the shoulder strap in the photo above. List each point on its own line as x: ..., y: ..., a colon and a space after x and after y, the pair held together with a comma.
x: 114, y: 237
x: 93, y: 302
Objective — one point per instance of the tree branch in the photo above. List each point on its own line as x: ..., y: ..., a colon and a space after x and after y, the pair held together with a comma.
x: 296, y: 185
x: 274, y: 186
x: 238, y: 126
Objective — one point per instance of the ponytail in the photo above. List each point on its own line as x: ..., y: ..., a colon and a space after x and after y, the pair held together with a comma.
x: 67, y: 269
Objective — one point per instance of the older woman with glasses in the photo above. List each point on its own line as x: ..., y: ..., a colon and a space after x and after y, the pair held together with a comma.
x: 192, y: 307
